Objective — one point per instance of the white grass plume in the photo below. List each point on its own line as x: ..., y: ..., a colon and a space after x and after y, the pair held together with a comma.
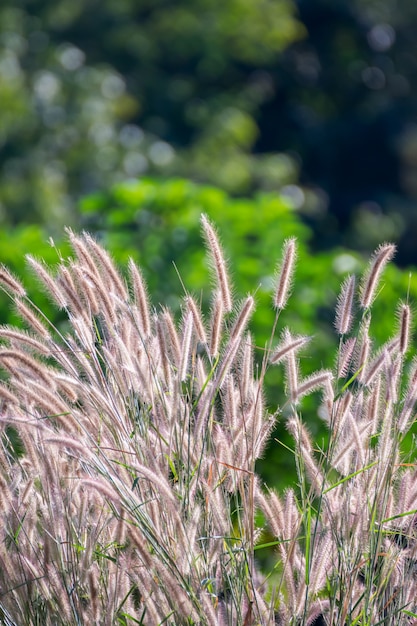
x: 128, y: 484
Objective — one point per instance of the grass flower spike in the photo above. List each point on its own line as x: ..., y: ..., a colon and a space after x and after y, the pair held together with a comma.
x: 129, y: 491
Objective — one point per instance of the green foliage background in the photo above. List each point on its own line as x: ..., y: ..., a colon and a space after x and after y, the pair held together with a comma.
x: 104, y: 90
x: 312, y: 98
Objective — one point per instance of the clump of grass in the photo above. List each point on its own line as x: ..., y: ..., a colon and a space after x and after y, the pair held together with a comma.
x: 128, y: 490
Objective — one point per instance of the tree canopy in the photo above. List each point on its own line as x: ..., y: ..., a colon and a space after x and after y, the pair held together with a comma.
x: 312, y: 98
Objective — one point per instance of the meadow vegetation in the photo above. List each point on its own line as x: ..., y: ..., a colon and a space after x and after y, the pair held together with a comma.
x: 130, y: 434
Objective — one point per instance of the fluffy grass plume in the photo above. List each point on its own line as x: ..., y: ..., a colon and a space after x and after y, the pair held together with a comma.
x: 128, y: 488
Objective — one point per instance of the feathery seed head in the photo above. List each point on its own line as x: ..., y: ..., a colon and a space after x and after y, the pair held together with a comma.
x: 172, y: 334
x: 289, y: 343
x: 217, y: 313
x: 111, y: 277
x: 28, y: 315
x: 370, y: 280
x: 344, y: 356
x: 218, y: 262
x: 140, y: 296
x: 285, y: 274
x: 10, y: 283
x: 242, y: 319
x: 82, y: 252
x: 318, y: 380
x: 404, y: 315
x: 197, y: 318
x: 48, y: 280
x: 187, y: 333
x: 343, y: 321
